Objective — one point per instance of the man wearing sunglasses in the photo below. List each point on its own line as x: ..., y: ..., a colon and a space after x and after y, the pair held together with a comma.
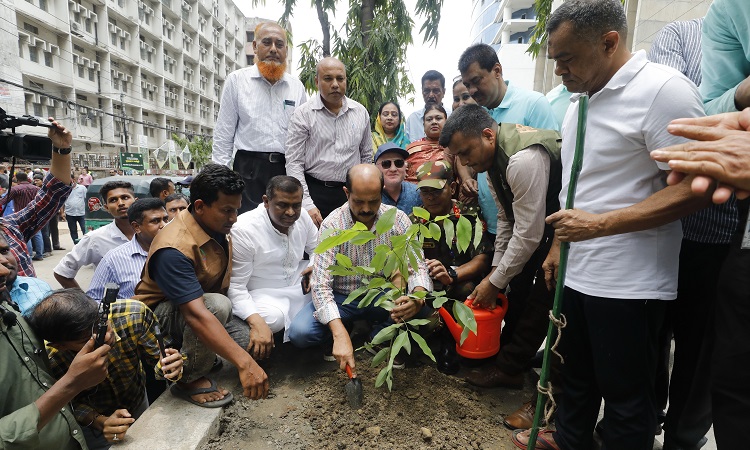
x: 391, y: 160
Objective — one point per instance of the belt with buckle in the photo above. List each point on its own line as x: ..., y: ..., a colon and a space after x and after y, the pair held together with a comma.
x: 272, y: 157
x: 328, y: 184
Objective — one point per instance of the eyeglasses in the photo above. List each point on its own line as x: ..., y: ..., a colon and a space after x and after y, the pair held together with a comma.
x: 386, y: 164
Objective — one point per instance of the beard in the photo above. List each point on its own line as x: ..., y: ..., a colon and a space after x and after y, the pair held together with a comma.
x: 271, y: 70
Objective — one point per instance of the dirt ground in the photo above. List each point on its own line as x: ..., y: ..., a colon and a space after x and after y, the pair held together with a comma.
x: 307, y: 409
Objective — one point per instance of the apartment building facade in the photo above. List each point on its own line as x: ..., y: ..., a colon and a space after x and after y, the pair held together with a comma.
x: 122, y: 74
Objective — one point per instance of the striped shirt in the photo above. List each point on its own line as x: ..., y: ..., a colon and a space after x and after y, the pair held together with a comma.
x: 20, y: 226
x: 678, y: 45
x: 324, y: 284
x: 123, y: 266
x: 21, y: 194
x: 254, y: 114
x: 326, y: 145
x: 133, y: 325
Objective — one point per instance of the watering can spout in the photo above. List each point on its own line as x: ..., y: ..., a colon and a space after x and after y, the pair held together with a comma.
x: 454, y: 328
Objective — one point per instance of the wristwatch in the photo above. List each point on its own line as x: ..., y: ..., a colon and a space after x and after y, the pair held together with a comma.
x: 452, y: 273
x: 61, y: 151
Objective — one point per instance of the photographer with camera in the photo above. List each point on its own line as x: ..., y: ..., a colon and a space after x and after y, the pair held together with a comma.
x: 34, y: 408
x: 21, y: 226
x: 65, y: 320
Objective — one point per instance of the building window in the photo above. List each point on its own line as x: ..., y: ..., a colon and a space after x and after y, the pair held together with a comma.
x: 113, y: 38
x: 37, y: 109
x: 115, y: 84
x: 520, y: 40
x: 48, y: 59
x: 87, y: 24
x: 33, y: 54
x: 20, y: 49
x: 51, y: 111
x: 91, y: 74
x: 30, y: 28
x: 122, y: 43
x: 124, y: 86
x: 80, y: 71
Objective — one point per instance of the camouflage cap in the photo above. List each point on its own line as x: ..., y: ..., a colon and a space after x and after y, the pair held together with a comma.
x: 434, y: 174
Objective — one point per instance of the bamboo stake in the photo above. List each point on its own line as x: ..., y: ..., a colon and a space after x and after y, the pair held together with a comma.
x: 583, y: 106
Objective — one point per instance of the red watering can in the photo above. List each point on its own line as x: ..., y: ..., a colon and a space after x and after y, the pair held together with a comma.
x: 486, y: 342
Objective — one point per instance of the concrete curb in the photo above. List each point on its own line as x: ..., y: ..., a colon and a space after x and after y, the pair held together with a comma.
x: 171, y: 423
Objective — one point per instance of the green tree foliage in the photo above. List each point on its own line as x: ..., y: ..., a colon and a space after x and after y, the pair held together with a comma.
x: 384, y: 280
x: 200, y: 149
x: 372, y: 45
x: 539, y: 35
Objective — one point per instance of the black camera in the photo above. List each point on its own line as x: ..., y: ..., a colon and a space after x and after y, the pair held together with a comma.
x: 23, y: 146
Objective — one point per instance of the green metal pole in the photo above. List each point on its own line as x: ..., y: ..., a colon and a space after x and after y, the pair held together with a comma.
x: 583, y: 106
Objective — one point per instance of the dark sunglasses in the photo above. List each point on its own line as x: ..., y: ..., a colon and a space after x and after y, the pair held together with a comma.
x: 399, y: 163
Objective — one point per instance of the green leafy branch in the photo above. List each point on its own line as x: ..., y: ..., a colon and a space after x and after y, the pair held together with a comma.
x: 385, y: 278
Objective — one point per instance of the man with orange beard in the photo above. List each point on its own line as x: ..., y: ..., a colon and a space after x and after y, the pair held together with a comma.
x: 256, y: 105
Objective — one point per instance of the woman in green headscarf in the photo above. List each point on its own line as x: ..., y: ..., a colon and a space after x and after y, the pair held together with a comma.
x: 389, y: 126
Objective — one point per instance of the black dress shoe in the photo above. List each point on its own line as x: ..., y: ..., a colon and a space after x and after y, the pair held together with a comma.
x: 57, y: 247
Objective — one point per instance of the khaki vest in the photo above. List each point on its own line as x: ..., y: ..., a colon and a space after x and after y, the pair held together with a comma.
x: 185, y: 235
x: 511, y: 139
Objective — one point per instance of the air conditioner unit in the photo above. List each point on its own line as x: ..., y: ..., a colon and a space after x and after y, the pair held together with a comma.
x: 74, y: 26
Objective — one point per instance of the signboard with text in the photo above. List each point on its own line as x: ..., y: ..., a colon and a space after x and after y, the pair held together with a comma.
x: 132, y: 161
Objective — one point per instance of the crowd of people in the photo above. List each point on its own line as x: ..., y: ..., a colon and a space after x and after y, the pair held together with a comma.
x: 659, y: 240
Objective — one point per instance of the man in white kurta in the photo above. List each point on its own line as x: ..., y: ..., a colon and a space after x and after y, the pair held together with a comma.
x: 269, y: 273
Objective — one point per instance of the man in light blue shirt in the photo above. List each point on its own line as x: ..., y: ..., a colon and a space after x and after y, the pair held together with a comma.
x: 123, y: 264
x: 725, y: 62
x: 482, y: 74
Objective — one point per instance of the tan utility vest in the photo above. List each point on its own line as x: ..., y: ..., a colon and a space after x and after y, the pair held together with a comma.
x: 511, y: 139
x: 212, y: 265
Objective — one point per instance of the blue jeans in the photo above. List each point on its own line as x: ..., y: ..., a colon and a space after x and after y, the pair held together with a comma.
x: 37, y: 242
x: 305, y: 330
x: 74, y: 221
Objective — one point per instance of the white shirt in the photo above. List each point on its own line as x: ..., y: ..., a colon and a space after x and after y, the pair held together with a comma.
x: 627, y: 119
x: 263, y: 257
x: 75, y: 205
x: 325, y: 145
x: 91, y: 249
x: 254, y: 114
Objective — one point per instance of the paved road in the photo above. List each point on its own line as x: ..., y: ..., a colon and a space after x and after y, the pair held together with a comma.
x: 44, y: 271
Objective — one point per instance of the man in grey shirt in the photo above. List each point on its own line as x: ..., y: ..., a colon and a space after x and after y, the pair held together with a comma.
x: 256, y: 106
x: 327, y: 136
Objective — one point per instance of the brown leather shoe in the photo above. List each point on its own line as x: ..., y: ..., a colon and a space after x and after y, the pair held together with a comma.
x: 492, y: 376
x: 522, y: 418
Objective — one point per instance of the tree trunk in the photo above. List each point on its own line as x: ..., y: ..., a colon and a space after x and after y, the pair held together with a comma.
x: 368, y: 14
x: 325, y: 26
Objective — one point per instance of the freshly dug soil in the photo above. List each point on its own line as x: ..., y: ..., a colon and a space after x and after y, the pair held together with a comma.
x: 307, y: 409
